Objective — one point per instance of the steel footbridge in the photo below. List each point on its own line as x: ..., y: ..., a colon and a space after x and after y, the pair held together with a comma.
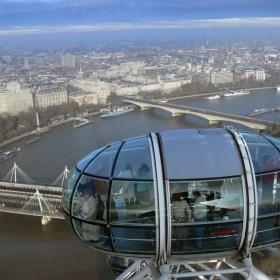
x: 213, y: 117
x: 19, y: 194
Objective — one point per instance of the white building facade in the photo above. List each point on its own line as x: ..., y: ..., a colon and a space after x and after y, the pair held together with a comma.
x: 162, y: 85
x: 259, y: 74
x: 68, y: 60
x: 83, y: 98
x: 221, y: 77
x: 14, y: 100
x: 50, y: 97
x: 252, y: 71
x: 102, y: 88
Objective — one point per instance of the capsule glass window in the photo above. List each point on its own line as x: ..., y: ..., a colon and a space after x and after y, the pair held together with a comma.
x: 206, y: 215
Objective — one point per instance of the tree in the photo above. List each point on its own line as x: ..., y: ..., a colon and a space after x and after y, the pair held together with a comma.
x: 10, y: 125
x: 72, y: 108
x: 113, y: 98
x: 27, y: 119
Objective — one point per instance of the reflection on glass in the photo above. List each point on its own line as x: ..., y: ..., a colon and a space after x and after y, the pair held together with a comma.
x: 134, y: 154
x: 67, y: 189
x: 140, y: 188
x: 85, y: 208
x: 103, y: 205
x: 134, y: 201
x: 266, y: 201
x: 120, y: 191
x: 268, y: 231
x: 84, y: 162
x: 101, y: 187
x: 71, y: 180
x: 263, y: 153
x: 217, y: 237
x: 88, y: 232
x: 268, y: 193
x: 203, y: 214
x: 86, y: 182
x: 118, y: 264
x: 181, y: 213
x: 136, y: 240
x: 184, y: 150
x: 276, y: 193
x: 102, y: 165
x: 275, y: 141
x: 106, y: 214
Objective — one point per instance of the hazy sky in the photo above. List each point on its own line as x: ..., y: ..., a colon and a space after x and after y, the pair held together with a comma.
x: 48, y: 16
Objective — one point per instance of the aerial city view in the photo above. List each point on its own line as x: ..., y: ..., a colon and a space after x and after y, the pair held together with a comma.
x: 139, y: 139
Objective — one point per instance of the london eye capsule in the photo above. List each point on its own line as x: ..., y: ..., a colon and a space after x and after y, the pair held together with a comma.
x: 179, y: 195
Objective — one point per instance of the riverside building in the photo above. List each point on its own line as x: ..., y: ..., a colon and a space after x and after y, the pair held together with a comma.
x: 50, y: 97
x: 252, y: 71
x: 221, y: 77
x: 15, y: 99
x: 93, y: 85
x: 83, y: 98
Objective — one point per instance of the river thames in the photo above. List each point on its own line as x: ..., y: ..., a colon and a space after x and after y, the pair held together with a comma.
x: 32, y: 251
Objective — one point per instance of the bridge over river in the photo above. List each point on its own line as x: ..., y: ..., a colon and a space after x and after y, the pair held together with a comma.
x: 19, y: 194
x: 24, y: 198
x: 212, y: 116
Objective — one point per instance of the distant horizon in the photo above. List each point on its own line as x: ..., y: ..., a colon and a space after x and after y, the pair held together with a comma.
x: 41, y: 17
x: 160, y: 34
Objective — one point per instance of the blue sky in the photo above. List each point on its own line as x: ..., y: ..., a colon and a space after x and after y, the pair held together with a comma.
x: 48, y: 16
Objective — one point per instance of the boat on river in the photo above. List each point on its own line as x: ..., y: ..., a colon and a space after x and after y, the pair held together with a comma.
x: 257, y: 112
x: 164, y: 100
x: 278, y: 88
x: 7, y: 154
x: 117, y: 112
x: 31, y: 141
x: 235, y: 92
x: 212, y: 97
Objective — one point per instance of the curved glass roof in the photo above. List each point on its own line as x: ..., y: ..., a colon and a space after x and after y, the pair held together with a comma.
x: 263, y: 148
x: 111, y: 160
x: 199, y: 153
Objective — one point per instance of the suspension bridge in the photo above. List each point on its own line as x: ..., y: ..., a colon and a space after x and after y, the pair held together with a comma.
x: 19, y: 194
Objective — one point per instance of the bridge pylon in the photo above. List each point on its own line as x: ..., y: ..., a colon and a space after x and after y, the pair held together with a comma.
x: 39, y: 206
x: 61, y: 178
x: 17, y: 175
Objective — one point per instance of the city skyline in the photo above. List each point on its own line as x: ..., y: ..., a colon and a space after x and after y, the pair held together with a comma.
x: 20, y: 17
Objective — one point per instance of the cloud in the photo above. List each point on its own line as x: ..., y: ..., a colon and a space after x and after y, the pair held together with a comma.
x: 183, y: 24
x: 201, y: 6
x: 53, y: 14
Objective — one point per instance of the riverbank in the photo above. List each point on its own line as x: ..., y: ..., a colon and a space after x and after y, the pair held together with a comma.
x: 42, y: 130
x: 25, y: 135
x: 214, y: 93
